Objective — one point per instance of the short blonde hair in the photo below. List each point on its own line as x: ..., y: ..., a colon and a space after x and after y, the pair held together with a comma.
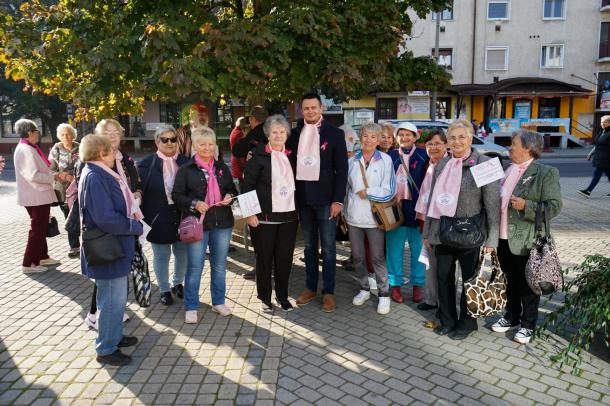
x: 198, y: 134
x: 101, y: 126
x: 92, y: 147
x: 461, y: 124
x: 66, y: 126
x: 605, y: 119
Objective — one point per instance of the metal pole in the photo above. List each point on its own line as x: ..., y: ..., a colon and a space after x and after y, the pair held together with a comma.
x: 436, y: 39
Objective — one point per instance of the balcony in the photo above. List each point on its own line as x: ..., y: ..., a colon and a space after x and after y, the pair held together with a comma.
x: 604, y: 51
x: 605, y: 5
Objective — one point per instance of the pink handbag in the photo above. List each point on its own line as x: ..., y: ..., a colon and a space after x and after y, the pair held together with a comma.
x: 191, y: 229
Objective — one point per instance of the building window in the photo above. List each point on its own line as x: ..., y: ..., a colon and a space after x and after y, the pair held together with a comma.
x: 497, y: 10
x: 446, y: 14
x: 554, y: 9
x: 443, y: 108
x: 445, y: 57
x: 496, y: 58
x: 604, y: 40
x: 551, y: 56
x: 386, y: 109
x: 605, y: 3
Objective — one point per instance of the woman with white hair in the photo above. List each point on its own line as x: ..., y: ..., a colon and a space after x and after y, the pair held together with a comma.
x: 204, y: 188
x: 158, y: 173
x: 63, y: 156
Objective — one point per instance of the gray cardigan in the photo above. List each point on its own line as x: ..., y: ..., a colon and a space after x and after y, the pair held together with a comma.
x: 469, y: 201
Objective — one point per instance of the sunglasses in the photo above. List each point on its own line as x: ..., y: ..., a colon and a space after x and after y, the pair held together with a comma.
x: 165, y: 140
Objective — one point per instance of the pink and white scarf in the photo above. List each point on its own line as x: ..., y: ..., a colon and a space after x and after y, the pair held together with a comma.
x: 282, y: 181
x: 513, y: 174
x: 447, y: 189
x: 118, y: 158
x: 212, y: 195
x: 170, y: 168
x: 402, y: 175
x: 308, y: 153
x: 133, y: 208
x: 37, y: 148
x: 421, y: 207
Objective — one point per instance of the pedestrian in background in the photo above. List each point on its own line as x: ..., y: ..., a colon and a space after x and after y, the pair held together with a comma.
x: 527, y: 185
x: 158, y: 173
x: 198, y: 117
x: 600, y: 156
x: 35, y: 180
x: 241, y: 129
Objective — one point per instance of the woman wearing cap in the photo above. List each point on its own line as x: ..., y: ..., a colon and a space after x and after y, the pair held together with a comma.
x: 410, y: 164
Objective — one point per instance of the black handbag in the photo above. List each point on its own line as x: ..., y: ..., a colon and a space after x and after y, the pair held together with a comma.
x: 464, y: 232
x: 53, y: 229
x: 100, y: 247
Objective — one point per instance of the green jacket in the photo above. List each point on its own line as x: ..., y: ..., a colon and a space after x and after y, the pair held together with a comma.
x: 538, y: 183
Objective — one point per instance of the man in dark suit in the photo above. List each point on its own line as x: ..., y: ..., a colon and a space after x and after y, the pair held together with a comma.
x: 321, y: 179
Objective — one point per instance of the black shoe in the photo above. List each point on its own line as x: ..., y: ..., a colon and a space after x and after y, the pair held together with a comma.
x: 232, y: 248
x: 117, y: 358
x: 285, y: 305
x: 443, y: 331
x: 459, y: 335
x: 178, y: 290
x: 425, y: 306
x: 250, y: 275
x: 585, y: 193
x: 166, y: 298
x: 74, y: 253
x: 128, y: 341
x: 266, y: 307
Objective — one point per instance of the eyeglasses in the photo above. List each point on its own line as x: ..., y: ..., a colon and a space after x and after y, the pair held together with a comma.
x: 436, y: 145
x: 458, y: 138
x: 165, y: 140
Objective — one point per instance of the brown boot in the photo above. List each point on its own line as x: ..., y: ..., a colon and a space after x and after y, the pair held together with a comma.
x: 328, y: 303
x: 306, y: 297
x: 418, y: 294
x: 396, y: 294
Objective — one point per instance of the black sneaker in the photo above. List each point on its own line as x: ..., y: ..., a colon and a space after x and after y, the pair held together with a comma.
x: 166, y: 298
x: 585, y: 193
x: 128, y: 341
x: 74, y: 253
x: 425, y: 306
x: 178, y: 290
x: 250, y: 275
x: 285, y: 305
x: 117, y: 358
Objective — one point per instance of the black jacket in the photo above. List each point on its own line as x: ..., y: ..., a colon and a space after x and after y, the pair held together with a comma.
x: 249, y: 142
x: 158, y: 213
x: 332, y: 183
x: 601, y: 155
x: 133, y: 179
x: 191, y: 185
x: 257, y: 176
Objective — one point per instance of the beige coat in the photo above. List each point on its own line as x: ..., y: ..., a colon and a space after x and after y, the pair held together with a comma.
x: 34, y: 178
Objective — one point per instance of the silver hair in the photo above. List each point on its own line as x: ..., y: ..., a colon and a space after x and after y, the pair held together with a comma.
x: 371, y: 128
x: 275, y: 120
x: 67, y: 126
x: 531, y: 141
x: 605, y: 119
x: 465, y: 124
x: 164, y: 128
x: 23, y: 127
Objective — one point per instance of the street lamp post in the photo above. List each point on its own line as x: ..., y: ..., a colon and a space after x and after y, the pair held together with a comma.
x: 436, y: 40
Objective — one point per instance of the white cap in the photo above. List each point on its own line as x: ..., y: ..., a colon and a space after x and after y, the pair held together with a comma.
x: 405, y: 125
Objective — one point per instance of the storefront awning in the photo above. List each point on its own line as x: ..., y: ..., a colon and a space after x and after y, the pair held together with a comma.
x: 521, y: 87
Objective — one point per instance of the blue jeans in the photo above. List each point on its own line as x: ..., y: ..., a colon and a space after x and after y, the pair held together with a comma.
x: 597, y: 175
x: 218, y: 239
x: 395, y: 252
x: 111, y: 300
x: 315, y: 222
x: 161, y: 254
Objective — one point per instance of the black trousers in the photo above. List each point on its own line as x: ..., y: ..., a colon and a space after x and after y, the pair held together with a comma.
x: 522, y: 304
x: 469, y: 260
x: 273, y: 245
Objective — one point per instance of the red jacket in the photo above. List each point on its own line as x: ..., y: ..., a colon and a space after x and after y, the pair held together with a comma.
x: 237, y: 164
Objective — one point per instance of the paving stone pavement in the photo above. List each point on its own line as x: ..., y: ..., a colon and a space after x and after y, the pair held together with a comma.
x: 350, y: 357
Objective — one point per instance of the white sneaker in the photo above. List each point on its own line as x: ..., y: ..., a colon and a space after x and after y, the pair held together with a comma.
x: 222, y: 310
x: 91, y: 321
x: 524, y: 335
x: 125, y: 317
x: 502, y: 326
x: 34, y: 269
x: 190, y: 317
x: 361, y: 297
x: 372, y: 282
x: 384, y: 305
x: 49, y: 262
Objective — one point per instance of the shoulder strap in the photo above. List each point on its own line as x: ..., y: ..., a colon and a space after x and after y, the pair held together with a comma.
x: 362, y: 171
x: 409, y: 177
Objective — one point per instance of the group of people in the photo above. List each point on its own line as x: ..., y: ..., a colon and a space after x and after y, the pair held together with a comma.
x: 307, y: 176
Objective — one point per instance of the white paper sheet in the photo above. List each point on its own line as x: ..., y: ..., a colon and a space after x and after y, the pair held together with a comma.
x: 424, y: 257
x: 146, y: 229
x: 487, y: 172
x: 249, y: 204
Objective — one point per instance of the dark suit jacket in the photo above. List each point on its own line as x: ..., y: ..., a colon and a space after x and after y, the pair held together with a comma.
x: 332, y: 183
x: 249, y: 142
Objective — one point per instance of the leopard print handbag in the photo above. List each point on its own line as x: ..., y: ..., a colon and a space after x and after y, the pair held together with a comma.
x: 486, y: 290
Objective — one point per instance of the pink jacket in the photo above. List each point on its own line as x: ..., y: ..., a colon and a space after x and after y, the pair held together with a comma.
x: 34, y: 178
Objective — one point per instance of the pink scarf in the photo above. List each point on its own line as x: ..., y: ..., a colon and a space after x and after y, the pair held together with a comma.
x: 118, y: 158
x: 447, y: 189
x: 170, y: 168
x: 402, y: 175
x: 421, y: 207
x: 308, y: 154
x: 513, y: 174
x: 212, y: 195
x: 133, y: 208
x: 282, y: 181
x: 37, y: 148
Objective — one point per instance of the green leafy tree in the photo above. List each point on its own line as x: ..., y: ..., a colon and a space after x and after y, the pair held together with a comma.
x: 107, y: 56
